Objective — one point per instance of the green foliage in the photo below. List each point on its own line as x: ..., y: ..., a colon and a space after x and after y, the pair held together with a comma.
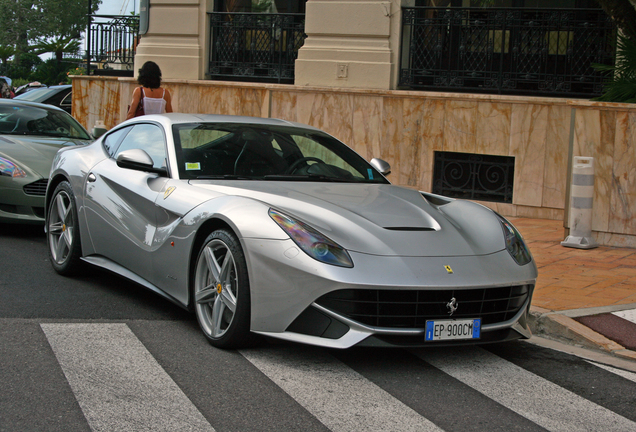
x: 623, y: 13
x: 17, y: 82
x: 24, y: 23
x: 52, y: 72
x: 620, y: 85
x: 58, y: 47
x: 23, y: 69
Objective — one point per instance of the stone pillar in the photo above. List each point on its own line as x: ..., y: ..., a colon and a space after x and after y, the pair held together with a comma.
x: 177, y: 38
x: 350, y: 44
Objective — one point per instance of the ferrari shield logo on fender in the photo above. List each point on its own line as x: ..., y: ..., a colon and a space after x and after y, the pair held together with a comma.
x: 168, y: 191
x: 452, y: 306
x: 448, y: 269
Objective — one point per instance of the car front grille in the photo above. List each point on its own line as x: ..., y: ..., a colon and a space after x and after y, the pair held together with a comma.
x: 37, y: 188
x: 412, y: 308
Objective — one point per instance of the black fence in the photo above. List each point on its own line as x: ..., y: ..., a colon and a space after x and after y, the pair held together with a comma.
x: 112, y: 43
x: 543, y: 52
x: 257, y: 47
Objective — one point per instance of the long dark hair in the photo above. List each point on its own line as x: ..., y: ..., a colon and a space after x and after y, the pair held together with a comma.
x: 150, y: 75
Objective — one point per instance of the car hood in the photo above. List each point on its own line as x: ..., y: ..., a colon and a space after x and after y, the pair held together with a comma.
x: 33, y: 152
x: 381, y: 219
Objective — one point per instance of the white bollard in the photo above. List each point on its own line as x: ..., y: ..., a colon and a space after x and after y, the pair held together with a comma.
x: 581, y: 200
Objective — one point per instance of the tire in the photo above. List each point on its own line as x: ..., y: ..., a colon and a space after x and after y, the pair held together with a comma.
x: 63, y: 236
x: 222, y: 291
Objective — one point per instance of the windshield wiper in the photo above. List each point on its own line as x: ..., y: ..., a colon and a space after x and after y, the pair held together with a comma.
x: 223, y: 177
x: 305, y: 177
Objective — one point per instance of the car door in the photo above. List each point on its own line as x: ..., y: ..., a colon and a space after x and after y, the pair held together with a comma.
x: 120, y: 203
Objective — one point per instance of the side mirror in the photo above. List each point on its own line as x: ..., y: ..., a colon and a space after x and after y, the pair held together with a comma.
x: 138, y: 159
x: 381, y: 165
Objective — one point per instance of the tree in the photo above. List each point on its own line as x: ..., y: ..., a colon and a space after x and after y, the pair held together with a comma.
x: 623, y: 13
x: 27, y: 22
x: 58, y: 46
x: 620, y: 85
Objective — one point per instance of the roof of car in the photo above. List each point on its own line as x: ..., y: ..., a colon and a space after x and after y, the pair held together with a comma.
x: 16, y: 102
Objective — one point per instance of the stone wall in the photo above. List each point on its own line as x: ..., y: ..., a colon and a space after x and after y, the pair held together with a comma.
x: 405, y: 128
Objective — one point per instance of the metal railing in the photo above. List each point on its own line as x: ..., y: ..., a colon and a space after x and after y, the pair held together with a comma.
x: 113, y: 41
x: 258, y: 47
x: 543, y: 52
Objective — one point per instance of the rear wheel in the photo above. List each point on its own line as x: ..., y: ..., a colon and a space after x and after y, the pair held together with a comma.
x: 63, y: 235
x: 222, y: 292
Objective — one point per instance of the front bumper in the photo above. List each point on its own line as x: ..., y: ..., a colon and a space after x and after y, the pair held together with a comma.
x: 287, y: 285
x: 22, y: 200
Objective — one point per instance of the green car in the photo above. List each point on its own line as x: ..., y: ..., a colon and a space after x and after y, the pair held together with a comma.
x: 30, y: 136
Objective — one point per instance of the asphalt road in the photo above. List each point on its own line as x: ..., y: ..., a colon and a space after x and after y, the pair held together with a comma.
x: 99, y: 353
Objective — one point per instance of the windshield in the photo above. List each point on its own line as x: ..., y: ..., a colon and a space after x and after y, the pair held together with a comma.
x: 24, y: 120
x: 265, y: 152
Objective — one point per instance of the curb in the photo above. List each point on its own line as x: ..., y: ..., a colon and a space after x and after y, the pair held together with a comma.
x: 553, y: 325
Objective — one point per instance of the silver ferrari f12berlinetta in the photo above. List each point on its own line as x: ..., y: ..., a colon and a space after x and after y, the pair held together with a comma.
x: 268, y: 227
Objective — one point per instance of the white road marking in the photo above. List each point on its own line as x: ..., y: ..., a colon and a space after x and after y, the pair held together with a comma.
x: 335, y: 394
x: 620, y: 372
x: 523, y: 392
x: 117, y: 382
x: 629, y: 315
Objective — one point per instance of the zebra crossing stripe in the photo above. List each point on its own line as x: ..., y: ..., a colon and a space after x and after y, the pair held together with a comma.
x: 523, y: 392
x: 118, y: 383
x: 335, y: 394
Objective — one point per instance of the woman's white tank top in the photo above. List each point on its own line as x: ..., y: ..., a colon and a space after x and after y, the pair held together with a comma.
x: 154, y: 105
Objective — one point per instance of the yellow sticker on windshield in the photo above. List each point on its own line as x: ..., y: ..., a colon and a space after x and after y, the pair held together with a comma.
x: 193, y: 166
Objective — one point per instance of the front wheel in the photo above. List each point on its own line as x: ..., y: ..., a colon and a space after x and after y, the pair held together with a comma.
x: 63, y: 235
x: 222, y: 291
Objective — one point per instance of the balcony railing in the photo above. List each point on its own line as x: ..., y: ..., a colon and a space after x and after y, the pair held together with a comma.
x: 113, y: 41
x: 543, y: 52
x: 258, y: 47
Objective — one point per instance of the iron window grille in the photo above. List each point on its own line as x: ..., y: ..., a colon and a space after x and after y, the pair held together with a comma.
x: 258, y: 47
x: 474, y: 176
x: 519, y: 51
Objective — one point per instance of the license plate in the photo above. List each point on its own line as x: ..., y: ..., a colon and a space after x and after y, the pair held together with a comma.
x: 453, y: 329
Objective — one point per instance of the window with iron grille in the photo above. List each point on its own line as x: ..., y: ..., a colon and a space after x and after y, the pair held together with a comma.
x: 474, y: 176
x: 256, y: 40
x: 543, y: 51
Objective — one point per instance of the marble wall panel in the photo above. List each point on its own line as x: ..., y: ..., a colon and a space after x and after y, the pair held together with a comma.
x: 423, y: 134
x: 460, y: 121
x: 492, y: 128
x: 556, y: 157
x: 392, y: 121
x: 100, y: 101
x: 406, y: 128
x: 528, y: 145
x: 367, y: 126
x: 284, y: 105
x: 623, y: 196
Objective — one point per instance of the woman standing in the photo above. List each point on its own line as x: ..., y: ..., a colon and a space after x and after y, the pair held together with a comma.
x: 153, y: 98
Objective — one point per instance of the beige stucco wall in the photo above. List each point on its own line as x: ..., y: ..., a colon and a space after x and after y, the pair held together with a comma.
x: 406, y: 128
x: 177, y: 38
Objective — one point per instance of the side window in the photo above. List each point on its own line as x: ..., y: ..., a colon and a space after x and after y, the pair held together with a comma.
x: 149, y: 138
x: 112, y: 140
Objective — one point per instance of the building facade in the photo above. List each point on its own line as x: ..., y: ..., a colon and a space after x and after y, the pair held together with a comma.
x: 447, y: 126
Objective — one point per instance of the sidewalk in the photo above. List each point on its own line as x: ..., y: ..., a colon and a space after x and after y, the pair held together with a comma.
x: 586, y: 297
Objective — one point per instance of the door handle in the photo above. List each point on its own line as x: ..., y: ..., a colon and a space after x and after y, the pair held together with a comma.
x: 91, y: 178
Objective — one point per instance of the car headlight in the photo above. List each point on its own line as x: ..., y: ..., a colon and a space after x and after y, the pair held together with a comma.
x: 8, y: 168
x: 514, y: 242
x: 314, y: 244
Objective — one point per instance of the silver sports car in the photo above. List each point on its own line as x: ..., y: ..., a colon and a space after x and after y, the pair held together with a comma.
x: 30, y: 136
x: 267, y: 227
